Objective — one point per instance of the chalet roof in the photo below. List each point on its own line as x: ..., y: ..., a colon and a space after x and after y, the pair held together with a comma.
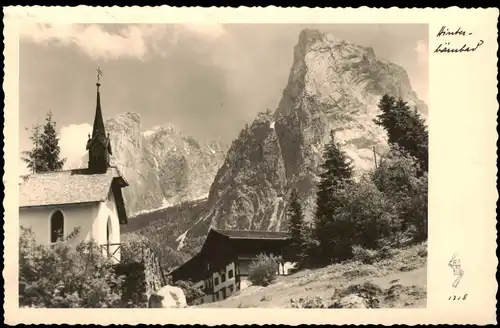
x: 67, y: 187
x: 253, y: 234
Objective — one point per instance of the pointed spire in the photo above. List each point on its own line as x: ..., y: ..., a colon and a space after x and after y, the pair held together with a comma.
x: 98, y: 145
x: 98, y: 130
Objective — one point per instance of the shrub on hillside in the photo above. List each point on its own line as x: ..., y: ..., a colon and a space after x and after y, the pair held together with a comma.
x: 190, y: 290
x: 132, y: 247
x: 310, y: 302
x: 398, y: 179
x: 262, y: 272
x: 364, y: 255
x: 364, y: 217
x: 422, y: 249
x: 60, y: 276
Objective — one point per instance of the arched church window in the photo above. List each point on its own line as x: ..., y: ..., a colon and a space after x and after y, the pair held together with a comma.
x: 108, y: 230
x: 56, y: 226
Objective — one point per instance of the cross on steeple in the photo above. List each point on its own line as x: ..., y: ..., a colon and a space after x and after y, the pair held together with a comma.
x: 99, y: 74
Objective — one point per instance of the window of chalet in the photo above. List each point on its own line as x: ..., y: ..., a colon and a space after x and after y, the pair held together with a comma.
x: 230, y: 274
x: 216, y: 281
x: 56, y: 226
x: 223, y: 276
x: 231, y: 289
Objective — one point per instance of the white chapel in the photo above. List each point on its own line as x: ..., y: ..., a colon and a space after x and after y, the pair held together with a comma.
x: 53, y: 204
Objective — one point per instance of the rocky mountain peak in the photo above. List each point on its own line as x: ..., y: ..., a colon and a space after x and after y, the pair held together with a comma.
x: 334, y: 85
x: 163, y: 166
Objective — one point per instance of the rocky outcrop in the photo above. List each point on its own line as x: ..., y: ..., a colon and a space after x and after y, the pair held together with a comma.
x: 185, y: 167
x: 249, y: 187
x: 162, y: 166
x: 333, y: 85
x: 168, y: 297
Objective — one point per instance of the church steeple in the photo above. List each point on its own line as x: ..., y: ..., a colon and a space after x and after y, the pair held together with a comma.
x: 98, y: 145
x: 98, y: 121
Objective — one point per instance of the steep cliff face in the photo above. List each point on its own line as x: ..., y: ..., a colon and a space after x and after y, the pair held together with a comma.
x: 185, y: 167
x: 333, y: 85
x: 162, y: 166
x: 249, y: 187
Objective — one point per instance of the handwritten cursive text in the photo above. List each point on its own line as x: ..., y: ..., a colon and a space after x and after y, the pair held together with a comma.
x: 444, y: 31
x: 447, y: 47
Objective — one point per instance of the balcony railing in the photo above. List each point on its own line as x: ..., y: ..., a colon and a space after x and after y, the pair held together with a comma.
x: 111, y: 251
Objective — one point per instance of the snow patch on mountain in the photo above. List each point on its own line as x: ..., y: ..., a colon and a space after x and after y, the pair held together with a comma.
x: 181, y: 240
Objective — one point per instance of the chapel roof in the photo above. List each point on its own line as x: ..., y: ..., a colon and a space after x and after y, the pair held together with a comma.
x: 67, y: 187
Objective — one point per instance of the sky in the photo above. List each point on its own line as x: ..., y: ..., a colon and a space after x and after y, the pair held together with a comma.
x: 206, y: 80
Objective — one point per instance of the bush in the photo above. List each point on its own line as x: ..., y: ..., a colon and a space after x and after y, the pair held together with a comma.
x: 314, y: 302
x: 367, y: 256
x: 133, y: 247
x: 190, y: 290
x: 422, y: 249
x: 385, y: 252
x: 397, y: 177
x: 364, y: 218
x: 60, y: 276
x: 262, y: 272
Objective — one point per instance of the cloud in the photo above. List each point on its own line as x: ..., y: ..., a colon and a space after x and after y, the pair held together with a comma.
x: 133, y: 41
x: 72, y: 140
x: 212, y: 31
x: 92, y: 39
x: 422, y: 50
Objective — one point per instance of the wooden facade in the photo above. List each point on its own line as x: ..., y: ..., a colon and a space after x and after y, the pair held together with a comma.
x: 221, y: 267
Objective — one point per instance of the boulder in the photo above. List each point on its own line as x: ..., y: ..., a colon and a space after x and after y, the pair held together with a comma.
x: 168, y: 297
x: 351, y: 301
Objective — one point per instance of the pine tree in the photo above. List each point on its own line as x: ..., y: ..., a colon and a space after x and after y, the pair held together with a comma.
x: 33, y: 157
x: 405, y: 128
x: 295, y: 223
x: 44, y: 156
x: 50, y: 146
x: 337, y: 173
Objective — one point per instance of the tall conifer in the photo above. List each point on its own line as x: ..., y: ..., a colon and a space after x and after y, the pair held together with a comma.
x: 44, y: 156
x: 295, y: 223
x: 405, y: 128
x: 33, y: 157
x: 336, y: 173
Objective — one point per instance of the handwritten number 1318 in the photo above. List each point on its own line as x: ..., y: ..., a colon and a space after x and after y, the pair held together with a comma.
x: 457, y: 298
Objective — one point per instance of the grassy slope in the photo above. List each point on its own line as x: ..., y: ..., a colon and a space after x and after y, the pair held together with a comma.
x: 402, y: 280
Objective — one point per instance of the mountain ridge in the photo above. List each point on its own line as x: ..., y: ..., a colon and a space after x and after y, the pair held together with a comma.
x: 333, y: 85
x: 163, y: 166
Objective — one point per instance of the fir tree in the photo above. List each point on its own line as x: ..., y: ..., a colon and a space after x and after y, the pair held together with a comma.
x: 336, y: 173
x: 44, y: 156
x: 405, y: 128
x: 33, y: 158
x: 295, y: 224
x: 50, y: 145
